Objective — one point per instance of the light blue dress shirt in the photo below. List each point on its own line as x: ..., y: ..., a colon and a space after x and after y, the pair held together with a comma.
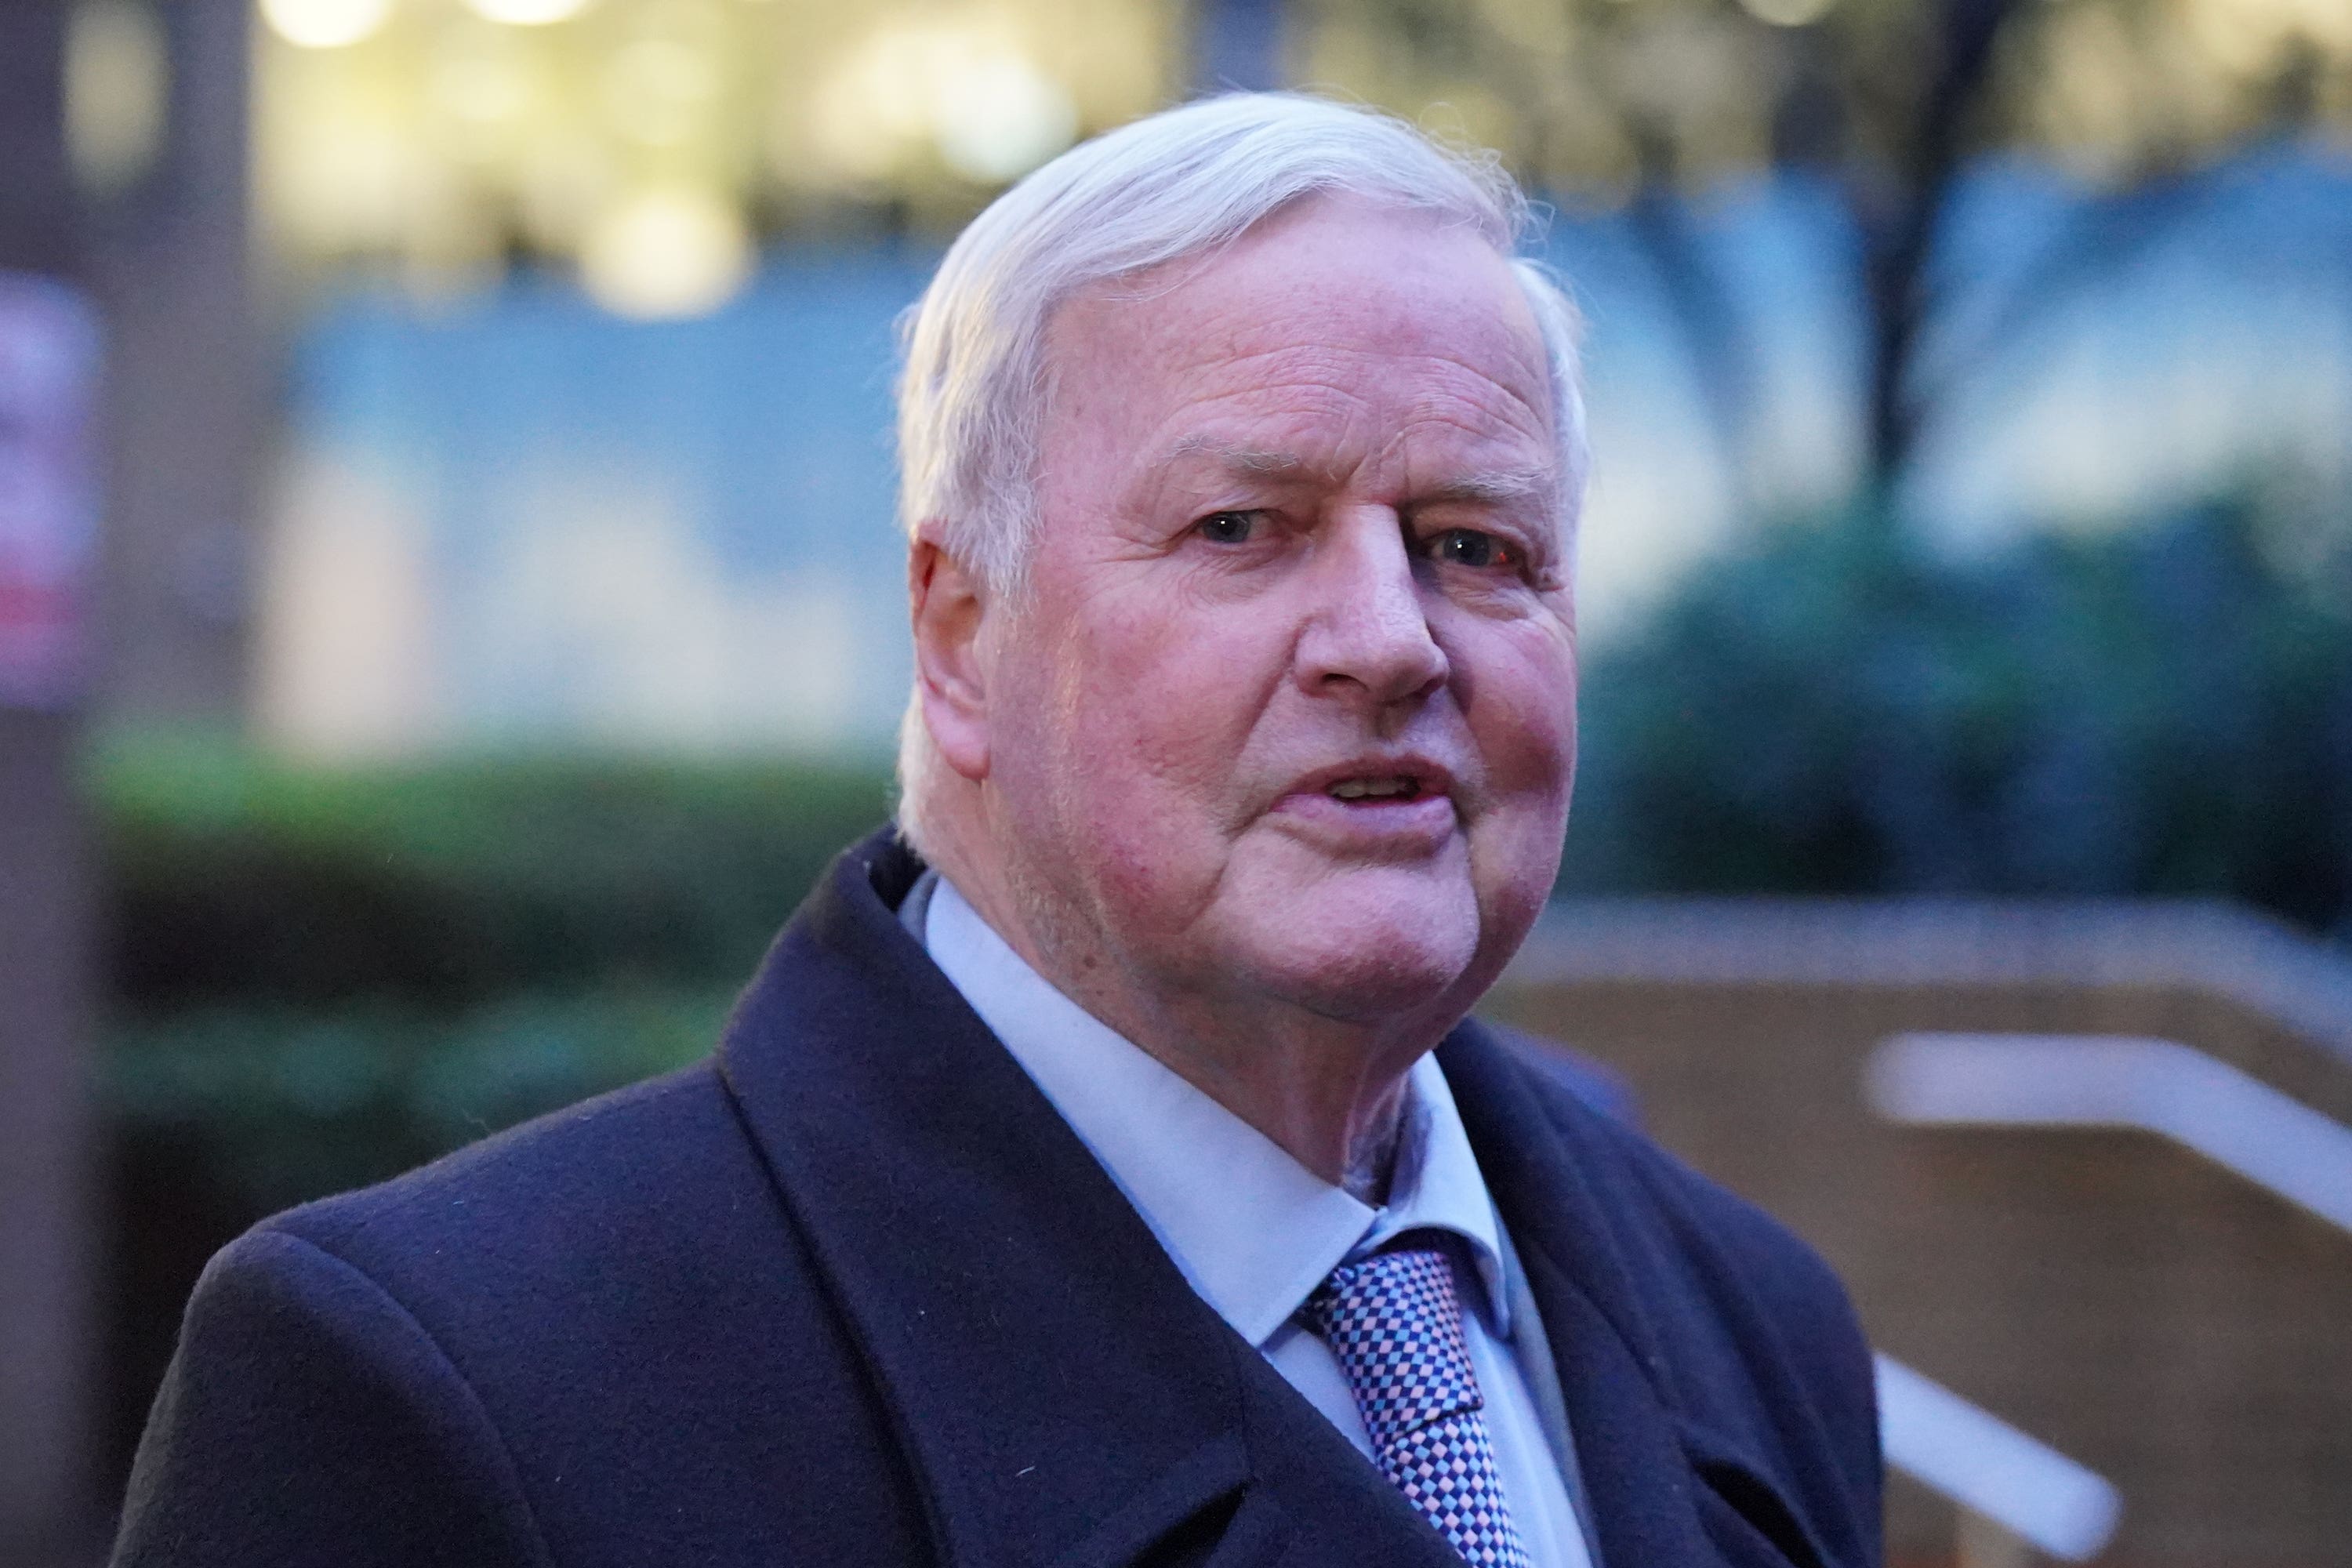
x: 1255, y: 1232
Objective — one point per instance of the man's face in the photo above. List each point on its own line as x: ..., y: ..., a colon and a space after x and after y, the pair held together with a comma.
x: 1288, y: 709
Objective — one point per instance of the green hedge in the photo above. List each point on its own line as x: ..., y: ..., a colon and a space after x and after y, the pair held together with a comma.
x: 2163, y: 710
x: 239, y: 879
x: 321, y: 976
x: 282, y: 1103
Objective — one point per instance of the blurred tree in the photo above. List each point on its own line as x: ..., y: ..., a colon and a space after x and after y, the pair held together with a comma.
x: 1885, y: 102
x: 2163, y: 710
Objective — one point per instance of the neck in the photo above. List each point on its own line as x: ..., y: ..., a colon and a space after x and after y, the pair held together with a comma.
x: 1328, y: 1091
x: 1331, y: 1097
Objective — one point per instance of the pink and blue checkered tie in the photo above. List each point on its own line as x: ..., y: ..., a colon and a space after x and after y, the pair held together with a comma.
x: 1393, y: 1324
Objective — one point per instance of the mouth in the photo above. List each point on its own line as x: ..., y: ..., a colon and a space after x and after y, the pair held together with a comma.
x: 1376, y: 790
x: 1386, y: 808
x: 1376, y: 781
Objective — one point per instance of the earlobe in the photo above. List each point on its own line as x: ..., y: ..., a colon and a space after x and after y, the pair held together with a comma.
x: 948, y: 608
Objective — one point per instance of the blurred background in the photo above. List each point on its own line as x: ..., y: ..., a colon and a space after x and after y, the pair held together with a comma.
x: 449, y: 611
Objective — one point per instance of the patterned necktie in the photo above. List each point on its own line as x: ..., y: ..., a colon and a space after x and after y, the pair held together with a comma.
x: 1393, y: 1323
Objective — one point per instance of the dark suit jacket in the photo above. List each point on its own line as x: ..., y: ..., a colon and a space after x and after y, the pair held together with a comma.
x: 852, y: 1293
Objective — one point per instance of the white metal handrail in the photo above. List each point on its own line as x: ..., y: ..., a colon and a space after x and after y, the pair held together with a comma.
x: 1991, y: 1469
x: 2120, y: 1080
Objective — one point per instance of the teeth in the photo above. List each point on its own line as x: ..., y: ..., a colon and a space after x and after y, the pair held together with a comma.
x: 1374, y: 789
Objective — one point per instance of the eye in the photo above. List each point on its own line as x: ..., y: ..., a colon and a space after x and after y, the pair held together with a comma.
x: 1472, y: 548
x: 1230, y: 527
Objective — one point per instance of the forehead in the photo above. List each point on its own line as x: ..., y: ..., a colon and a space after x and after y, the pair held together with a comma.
x: 1334, y: 331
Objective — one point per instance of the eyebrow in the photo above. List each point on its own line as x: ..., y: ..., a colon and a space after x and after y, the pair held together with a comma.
x: 1499, y: 486
x: 1240, y: 459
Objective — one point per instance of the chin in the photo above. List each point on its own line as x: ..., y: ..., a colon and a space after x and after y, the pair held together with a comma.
x: 1362, y: 948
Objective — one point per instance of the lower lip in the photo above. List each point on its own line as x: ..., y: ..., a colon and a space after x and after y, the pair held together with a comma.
x: 1395, y: 825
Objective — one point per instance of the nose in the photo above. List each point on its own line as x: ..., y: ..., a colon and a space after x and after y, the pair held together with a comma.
x: 1366, y: 636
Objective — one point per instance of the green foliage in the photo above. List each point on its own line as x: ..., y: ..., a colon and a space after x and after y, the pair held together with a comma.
x: 2162, y: 711
x: 281, y: 1103
x: 237, y: 879
x: 322, y: 976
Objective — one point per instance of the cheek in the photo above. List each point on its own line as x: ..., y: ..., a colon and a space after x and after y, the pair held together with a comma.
x: 1521, y: 706
x: 1155, y: 704
x: 1140, y: 797
x: 1522, y: 719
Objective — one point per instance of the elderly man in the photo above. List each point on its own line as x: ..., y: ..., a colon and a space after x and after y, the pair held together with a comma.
x: 1102, y: 1168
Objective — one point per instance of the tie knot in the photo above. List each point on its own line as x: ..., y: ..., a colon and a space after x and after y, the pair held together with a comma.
x: 1394, y: 1326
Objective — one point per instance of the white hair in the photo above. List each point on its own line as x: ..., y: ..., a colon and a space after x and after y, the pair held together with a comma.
x: 1177, y: 184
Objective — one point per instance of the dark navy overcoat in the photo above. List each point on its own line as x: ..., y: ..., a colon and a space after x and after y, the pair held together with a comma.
x: 852, y: 1293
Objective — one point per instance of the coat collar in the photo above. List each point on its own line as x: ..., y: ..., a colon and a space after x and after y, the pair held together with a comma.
x: 1663, y: 1485
x: 1062, y: 1394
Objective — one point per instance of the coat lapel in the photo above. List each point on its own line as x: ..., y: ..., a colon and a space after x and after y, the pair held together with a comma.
x: 1646, y: 1468
x: 1062, y: 1394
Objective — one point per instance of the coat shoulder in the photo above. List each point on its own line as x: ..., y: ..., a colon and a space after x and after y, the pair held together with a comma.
x: 586, y: 1176
x: 605, y: 1306
x: 577, y: 1250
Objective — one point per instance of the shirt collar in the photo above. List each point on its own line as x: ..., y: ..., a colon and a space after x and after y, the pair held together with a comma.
x: 1252, y: 1229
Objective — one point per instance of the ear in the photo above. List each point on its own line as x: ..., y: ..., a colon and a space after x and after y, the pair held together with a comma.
x: 948, y: 606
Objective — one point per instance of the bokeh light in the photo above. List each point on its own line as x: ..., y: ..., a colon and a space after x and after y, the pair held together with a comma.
x: 660, y: 90
x: 325, y: 24
x: 680, y: 250
x: 527, y: 12
x: 957, y: 90
x: 1788, y: 12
